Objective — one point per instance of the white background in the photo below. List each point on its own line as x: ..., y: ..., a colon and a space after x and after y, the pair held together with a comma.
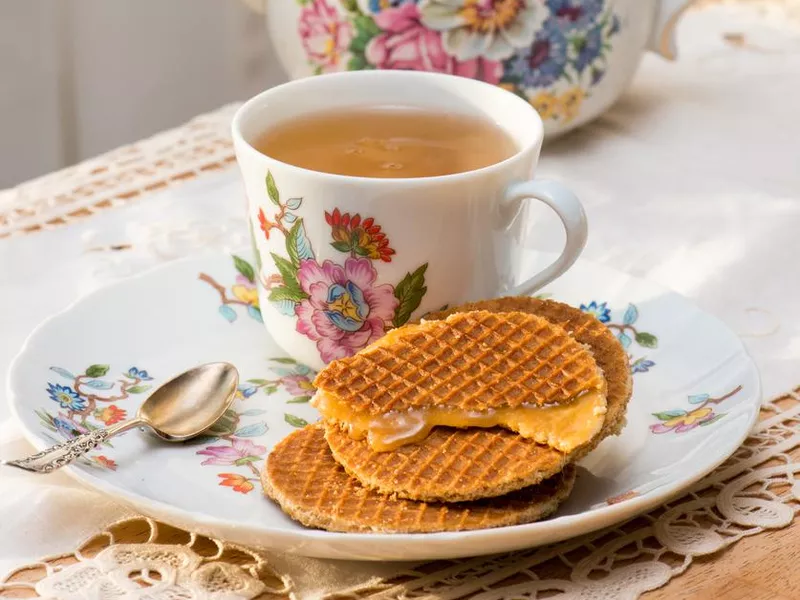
x: 80, y: 77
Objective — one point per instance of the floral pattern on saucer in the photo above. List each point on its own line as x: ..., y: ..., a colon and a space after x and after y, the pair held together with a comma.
x: 626, y: 332
x: 243, y: 293
x: 88, y: 401
x: 702, y: 414
x: 232, y: 441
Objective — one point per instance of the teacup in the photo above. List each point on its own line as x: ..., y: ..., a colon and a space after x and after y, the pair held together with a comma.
x: 422, y: 243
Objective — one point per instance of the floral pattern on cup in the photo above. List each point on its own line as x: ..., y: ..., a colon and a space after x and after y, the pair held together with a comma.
x: 549, y: 52
x: 88, y: 400
x: 339, y: 305
x: 626, y: 332
x: 232, y: 442
x: 701, y: 415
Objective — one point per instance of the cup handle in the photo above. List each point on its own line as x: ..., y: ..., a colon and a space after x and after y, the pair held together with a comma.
x: 569, y: 209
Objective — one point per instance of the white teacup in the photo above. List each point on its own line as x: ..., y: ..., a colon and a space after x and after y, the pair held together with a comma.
x: 419, y: 244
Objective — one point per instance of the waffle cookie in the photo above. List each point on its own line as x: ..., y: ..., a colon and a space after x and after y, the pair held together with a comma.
x: 470, y: 369
x: 586, y: 329
x: 451, y: 465
x: 457, y: 465
x: 312, y: 488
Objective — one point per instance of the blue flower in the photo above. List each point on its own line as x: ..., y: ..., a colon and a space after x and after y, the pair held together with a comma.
x: 589, y: 47
x: 642, y: 365
x: 247, y: 390
x: 66, y: 397
x: 133, y: 373
x: 574, y: 15
x: 347, y: 307
x: 600, y: 311
x: 542, y: 63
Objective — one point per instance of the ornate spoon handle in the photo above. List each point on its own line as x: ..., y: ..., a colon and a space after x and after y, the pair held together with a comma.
x: 62, y: 454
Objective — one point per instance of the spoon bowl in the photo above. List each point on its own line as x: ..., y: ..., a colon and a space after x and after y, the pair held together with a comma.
x: 187, y: 405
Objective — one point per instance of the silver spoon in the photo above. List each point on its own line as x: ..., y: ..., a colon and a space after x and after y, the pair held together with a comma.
x: 180, y: 409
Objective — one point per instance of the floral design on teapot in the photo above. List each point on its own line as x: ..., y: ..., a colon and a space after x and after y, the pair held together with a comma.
x: 549, y: 52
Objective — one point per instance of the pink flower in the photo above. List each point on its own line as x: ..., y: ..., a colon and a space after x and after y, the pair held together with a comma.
x: 298, y: 385
x: 406, y: 43
x: 325, y: 35
x: 239, y: 453
x: 345, y: 310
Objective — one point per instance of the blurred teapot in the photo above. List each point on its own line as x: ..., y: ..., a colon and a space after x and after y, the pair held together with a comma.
x: 571, y: 59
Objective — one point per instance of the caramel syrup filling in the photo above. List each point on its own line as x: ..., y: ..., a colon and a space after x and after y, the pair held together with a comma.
x: 563, y: 427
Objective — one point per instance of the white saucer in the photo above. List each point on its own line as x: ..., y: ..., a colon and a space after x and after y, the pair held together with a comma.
x: 696, y: 395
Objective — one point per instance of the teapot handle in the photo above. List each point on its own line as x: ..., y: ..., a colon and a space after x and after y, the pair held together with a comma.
x: 662, y: 37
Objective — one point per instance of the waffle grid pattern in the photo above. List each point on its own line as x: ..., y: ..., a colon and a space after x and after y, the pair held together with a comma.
x: 606, y: 349
x: 507, y: 359
x: 302, y: 476
x: 450, y: 465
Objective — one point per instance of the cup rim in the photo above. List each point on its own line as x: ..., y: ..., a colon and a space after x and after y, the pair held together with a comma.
x: 419, y: 76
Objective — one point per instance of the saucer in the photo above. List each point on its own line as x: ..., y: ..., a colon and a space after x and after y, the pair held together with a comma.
x: 696, y: 396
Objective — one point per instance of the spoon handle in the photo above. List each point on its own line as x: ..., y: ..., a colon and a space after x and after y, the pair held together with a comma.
x: 62, y: 454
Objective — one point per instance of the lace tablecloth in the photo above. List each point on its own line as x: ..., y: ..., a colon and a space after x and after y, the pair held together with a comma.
x: 690, y: 180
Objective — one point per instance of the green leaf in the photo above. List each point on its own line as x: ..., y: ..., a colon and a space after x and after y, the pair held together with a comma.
x: 138, y: 389
x: 366, y: 29
x: 255, y: 246
x: 348, y: 5
x: 357, y: 62
x: 272, y: 189
x: 366, y: 25
x: 288, y: 272
x: 358, y: 46
x: 284, y: 360
x: 299, y: 400
x: 297, y: 244
x: 284, y: 293
x: 361, y: 251
x: 46, y: 419
x: 244, y: 268
x: 669, y: 414
x: 247, y: 459
x: 341, y: 246
x: 409, y: 292
x: 258, y: 381
x: 270, y: 389
x: 294, y: 421
x: 648, y: 340
x: 97, y: 370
